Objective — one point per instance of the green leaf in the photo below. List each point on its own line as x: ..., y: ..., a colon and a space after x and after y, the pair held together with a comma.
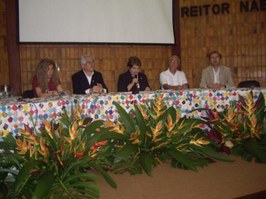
x: 86, y: 188
x: 91, y: 135
x: 5, y: 145
x: 24, y: 174
x: 108, y: 135
x: 91, y: 128
x: 183, y: 159
x: 65, y: 119
x: 126, y: 151
x: 141, y: 123
x: 254, y: 148
x: 76, y: 164
x: 126, y: 118
x: 81, y: 176
x: 11, y: 159
x: 105, y: 175
x: 260, y: 109
x: 211, y: 153
x: 11, y: 171
x: 146, y: 162
x: 170, y: 111
x: 9, y: 138
x: 44, y: 185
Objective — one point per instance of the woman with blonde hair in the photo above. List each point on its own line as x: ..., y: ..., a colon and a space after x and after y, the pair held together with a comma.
x: 46, y: 80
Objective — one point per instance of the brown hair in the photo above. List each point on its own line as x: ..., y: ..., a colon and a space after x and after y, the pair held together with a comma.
x: 133, y: 61
x: 41, y: 73
x: 213, y: 52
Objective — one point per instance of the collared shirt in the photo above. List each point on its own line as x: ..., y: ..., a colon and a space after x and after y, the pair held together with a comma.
x: 216, y: 75
x: 89, y: 77
x: 177, y: 79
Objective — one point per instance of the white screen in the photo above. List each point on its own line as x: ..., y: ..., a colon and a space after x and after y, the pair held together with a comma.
x: 96, y: 21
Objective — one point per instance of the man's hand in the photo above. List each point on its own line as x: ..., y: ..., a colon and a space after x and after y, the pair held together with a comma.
x: 97, y: 88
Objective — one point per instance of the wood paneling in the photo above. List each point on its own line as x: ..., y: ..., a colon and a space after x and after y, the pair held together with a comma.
x: 4, y: 78
x: 111, y: 60
x: 239, y: 36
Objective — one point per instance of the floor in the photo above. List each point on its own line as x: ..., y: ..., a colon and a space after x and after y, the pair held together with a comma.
x: 218, y: 180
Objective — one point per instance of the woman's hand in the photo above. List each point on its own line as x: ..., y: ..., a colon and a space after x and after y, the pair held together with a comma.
x: 53, y: 93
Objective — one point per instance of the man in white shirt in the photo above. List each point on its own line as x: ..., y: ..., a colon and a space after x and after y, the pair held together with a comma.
x: 173, y: 78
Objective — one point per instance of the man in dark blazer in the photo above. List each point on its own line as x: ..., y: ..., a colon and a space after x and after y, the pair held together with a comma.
x: 88, y: 80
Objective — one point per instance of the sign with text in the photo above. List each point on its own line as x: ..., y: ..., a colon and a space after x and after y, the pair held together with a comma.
x: 222, y: 8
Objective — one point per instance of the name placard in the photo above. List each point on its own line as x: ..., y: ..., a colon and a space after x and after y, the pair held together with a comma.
x: 222, y: 8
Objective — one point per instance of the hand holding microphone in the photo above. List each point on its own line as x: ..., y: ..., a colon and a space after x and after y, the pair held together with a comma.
x: 136, y: 81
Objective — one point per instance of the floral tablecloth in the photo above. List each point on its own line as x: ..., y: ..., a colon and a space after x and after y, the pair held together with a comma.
x: 14, y: 114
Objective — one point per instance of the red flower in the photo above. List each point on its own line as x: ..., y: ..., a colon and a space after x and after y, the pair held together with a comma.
x: 79, y: 154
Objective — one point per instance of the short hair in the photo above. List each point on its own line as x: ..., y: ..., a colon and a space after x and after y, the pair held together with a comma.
x: 133, y: 61
x: 173, y: 57
x: 84, y: 58
x: 213, y: 52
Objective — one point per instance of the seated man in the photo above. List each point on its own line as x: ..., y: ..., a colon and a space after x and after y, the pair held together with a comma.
x: 88, y: 80
x: 173, y: 77
x: 133, y: 80
x: 216, y: 76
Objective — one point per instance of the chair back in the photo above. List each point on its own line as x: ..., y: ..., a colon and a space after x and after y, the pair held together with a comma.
x: 249, y: 84
x: 28, y: 94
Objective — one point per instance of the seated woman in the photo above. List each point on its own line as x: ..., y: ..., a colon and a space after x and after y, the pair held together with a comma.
x: 46, y: 81
x: 133, y: 80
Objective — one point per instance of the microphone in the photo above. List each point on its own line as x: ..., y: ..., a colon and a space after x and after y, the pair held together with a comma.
x: 137, y: 84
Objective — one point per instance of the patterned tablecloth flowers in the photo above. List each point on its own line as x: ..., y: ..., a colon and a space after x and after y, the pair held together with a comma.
x: 14, y: 114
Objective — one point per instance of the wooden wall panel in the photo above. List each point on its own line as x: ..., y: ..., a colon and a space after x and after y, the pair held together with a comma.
x: 111, y: 60
x: 4, y: 78
x: 238, y: 36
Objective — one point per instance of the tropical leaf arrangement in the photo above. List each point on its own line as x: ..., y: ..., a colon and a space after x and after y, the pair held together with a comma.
x: 63, y: 159
x: 152, y: 134
x: 54, y: 162
x: 240, y: 129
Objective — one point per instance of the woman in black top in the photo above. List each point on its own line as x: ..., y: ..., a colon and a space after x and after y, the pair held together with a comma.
x: 133, y: 80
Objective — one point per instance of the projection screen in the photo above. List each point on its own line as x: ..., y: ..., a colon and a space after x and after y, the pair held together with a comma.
x: 96, y: 21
